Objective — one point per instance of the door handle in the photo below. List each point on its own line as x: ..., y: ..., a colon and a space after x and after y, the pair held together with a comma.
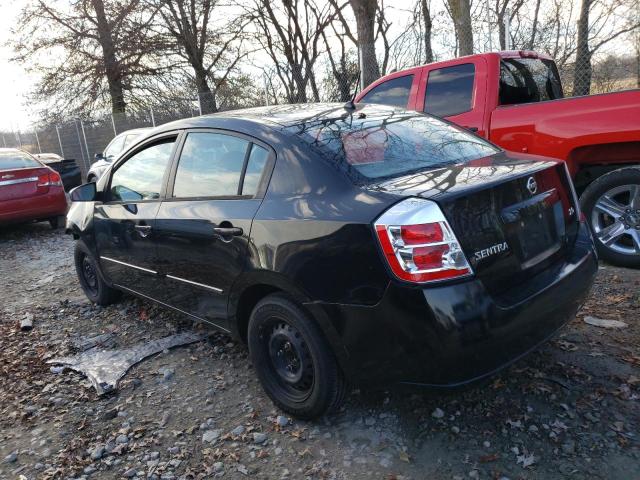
x: 143, y: 230
x: 228, y: 231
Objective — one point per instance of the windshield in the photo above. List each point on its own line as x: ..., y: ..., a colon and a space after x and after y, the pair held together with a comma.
x: 390, y: 143
x: 526, y: 80
x: 11, y: 160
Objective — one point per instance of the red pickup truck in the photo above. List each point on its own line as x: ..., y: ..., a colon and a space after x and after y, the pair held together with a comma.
x: 515, y: 100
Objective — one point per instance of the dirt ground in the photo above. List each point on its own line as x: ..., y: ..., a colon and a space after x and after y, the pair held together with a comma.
x: 570, y: 410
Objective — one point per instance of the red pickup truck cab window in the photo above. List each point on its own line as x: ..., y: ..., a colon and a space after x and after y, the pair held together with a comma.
x: 450, y: 90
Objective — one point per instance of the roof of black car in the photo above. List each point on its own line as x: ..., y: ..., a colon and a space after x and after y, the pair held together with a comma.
x: 288, y: 115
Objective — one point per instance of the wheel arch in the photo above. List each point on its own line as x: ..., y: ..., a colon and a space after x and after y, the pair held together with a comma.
x: 589, y: 162
x: 253, y: 287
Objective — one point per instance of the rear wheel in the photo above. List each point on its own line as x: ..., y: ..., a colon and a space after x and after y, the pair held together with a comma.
x: 612, y: 206
x: 293, y: 360
x: 90, y: 278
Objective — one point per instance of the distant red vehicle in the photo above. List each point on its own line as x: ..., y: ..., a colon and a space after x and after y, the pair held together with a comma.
x: 29, y: 190
x: 515, y: 99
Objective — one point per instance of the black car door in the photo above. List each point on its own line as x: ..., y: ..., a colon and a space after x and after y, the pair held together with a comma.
x: 124, y: 222
x: 202, y: 228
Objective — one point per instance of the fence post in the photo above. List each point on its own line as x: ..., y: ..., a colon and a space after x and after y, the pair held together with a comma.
x: 19, y: 139
x: 113, y: 123
x: 199, y: 104
x: 266, y: 91
x: 4, y: 142
x: 80, y: 143
x: 153, y: 119
x: 507, y: 29
x: 86, y: 145
x: 489, y: 26
x: 38, y: 141
x: 60, y: 141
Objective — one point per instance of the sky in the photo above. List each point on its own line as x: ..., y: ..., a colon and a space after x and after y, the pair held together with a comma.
x: 14, y: 81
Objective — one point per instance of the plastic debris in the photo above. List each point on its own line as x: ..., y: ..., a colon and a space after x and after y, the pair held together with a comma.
x: 105, y: 368
x: 26, y: 323
x: 600, y: 322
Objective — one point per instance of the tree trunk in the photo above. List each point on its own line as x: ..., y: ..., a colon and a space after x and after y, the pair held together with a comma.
x: 532, y: 41
x: 461, y: 16
x: 365, y: 13
x: 111, y: 64
x: 206, y: 96
x: 426, y: 20
x: 582, y: 67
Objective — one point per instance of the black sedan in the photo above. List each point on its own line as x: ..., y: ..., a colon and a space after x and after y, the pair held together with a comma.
x: 363, y: 245
x: 68, y: 169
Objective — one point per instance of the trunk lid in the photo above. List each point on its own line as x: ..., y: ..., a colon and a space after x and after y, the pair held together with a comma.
x: 22, y: 183
x: 512, y: 216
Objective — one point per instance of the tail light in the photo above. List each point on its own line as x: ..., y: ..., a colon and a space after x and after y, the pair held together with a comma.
x: 419, y: 243
x: 51, y: 179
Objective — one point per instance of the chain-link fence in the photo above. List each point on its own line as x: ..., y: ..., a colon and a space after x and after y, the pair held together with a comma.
x: 611, y: 63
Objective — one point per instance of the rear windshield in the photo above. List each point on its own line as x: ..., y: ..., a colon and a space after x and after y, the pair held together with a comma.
x: 10, y: 160
x: 526, y: 80
x: 372, y: 147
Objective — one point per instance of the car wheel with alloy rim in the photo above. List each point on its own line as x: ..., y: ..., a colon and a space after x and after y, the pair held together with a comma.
x: 612, y: 206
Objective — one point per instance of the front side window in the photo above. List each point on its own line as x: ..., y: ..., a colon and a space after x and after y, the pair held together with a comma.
x: 526, y: 80
x: 210, y: 165
x: 394, y: 92
x: 450, y: 90
x: 140, y: 177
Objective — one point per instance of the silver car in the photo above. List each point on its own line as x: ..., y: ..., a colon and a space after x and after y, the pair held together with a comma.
x: 116, y: 146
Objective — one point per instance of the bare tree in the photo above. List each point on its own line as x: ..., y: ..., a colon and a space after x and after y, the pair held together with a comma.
x: 103, y: 51
x: 460, y: 12
x: 290, y: 31
x: 211, y: 53
x: 612, y: 19
x: 425, y: 15
x: 366, y: 12
x: 343, y: 70
x: 504, y: 8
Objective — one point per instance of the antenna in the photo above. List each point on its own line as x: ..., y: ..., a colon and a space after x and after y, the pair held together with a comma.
x: 350, y: 104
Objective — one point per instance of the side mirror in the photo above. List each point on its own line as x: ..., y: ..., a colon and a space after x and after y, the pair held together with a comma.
x: 84, y: 193
x: 98, y: 156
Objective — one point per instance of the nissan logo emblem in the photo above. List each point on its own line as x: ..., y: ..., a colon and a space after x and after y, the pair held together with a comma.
x: 532, y: 186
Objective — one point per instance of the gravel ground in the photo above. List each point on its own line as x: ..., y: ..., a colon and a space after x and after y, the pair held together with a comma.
x: 570, y: 410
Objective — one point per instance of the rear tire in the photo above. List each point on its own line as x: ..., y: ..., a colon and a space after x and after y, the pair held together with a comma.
x: 611, y: 205
x: 293, y: 360
x: 90, y: 278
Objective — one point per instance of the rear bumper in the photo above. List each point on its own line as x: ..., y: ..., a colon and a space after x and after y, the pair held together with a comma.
x: 455, y: 334
x: 39, y: 207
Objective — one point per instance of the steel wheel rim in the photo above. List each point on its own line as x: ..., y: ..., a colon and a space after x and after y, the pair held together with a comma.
x: 89, y: 275
x: 290, y: 359
x: 615, y: 219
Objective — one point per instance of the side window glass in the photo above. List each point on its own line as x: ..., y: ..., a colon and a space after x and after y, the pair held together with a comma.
x: 115, y: 147
x: 255, y: 167
x: 140, y: 177
x: 210, y: 165
x: 393, y: 92
x: 450, y: 90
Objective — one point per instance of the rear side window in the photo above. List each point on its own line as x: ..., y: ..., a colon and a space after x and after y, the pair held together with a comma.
x: 378, y: 145
x: 255, y: 166
x: 140, y: 177
x: 526, y: 80
x: 450, y: 90
x: 11, y: 160
x: 210, y: 166
x: 394, y: 92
